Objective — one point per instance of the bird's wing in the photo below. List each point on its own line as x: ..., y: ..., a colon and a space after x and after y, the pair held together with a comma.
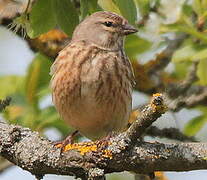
x: 133, y: 81
x: 59, y: 60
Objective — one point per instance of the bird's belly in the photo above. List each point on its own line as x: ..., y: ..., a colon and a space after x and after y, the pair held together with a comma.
x: 96, y: 120
x: 96, y: 115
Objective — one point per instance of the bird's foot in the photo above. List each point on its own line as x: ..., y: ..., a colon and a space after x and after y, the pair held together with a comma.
x: 68, y: 140
x: 104, y: 141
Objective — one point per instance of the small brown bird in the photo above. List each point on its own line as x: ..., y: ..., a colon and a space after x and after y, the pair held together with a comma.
x: 92, y: 78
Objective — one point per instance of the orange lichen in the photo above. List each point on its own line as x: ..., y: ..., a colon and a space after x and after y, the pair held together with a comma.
x: 53, y: 35
x: 83, y: 148
x: 160, y: 175
x: 107, y: 153
x: 157, y: 94
x: 133, y: 116
x: 86, y: 147
x: 157, y: 103
x: 50, y: 43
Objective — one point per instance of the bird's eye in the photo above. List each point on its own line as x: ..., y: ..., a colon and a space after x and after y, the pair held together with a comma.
x: 108, y: 23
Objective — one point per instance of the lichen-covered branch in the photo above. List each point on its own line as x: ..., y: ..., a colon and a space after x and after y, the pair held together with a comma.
x: 39, y: 156
x: 149, y: 114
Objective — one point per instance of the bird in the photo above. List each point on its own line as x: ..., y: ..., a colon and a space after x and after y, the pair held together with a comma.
x: 92, y: 78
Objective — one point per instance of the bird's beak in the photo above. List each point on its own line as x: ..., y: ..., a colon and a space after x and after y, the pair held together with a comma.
x: 129, y: 29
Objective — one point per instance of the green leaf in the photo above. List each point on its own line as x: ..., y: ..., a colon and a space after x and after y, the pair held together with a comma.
x: 47, y: 117
x: 194, y: 125
x: 184, y: 54
x: 11, y: 85
x: 50, y: 118
x: 203, y: 109
x: 42, y: 18
x: 197, y: 7
x: 66, y: 15
x: 190, y: 52
x: 84, y: 9
x: 88, y: 7
x: 135, y: 45
x: 93, y: 6
x: 187, y: 9
x: 181, y: 69
x: 200, y: 55
x: 37, y: 77
x: 144, y: 6
x: 202, y: 72
x: 128, y: 10
x: 186, y: 29
x: 109, y: 5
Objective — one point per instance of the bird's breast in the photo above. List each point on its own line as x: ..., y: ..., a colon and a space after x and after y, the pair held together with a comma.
x: 94, y: 96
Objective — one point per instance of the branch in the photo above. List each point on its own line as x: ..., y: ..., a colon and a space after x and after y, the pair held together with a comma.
x: 38, y: 156
x: 147, y: 117
x: 164, y: 58
x: 181, y: 89
x: 197, y: 98
x: 149, y: 77
x: 170, y: 133
x: 186, y: 94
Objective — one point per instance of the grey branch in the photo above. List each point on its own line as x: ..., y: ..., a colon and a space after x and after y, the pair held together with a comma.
x: 181, y: 89
x: 186, y: 94
x: 170, y: 133
x: 38, y: 155
x: 148, y: 115
x: 173, y: 45
x: 198, y: 97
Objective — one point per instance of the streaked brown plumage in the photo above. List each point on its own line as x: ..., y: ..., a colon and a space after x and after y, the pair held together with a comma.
x: 92, y: 77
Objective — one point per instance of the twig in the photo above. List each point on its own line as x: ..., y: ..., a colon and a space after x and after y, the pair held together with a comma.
x: 186, y: 94
x: 148, y: 76
x: 164, y: 58
x: 175, y: 90
x: 170, y: 133
x: 149, y: 114
x: 198, y: 96
x: 4, y: 103
x: 190, y: 79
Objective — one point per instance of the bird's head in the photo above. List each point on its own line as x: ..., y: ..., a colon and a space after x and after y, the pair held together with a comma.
x: 105, y: 29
